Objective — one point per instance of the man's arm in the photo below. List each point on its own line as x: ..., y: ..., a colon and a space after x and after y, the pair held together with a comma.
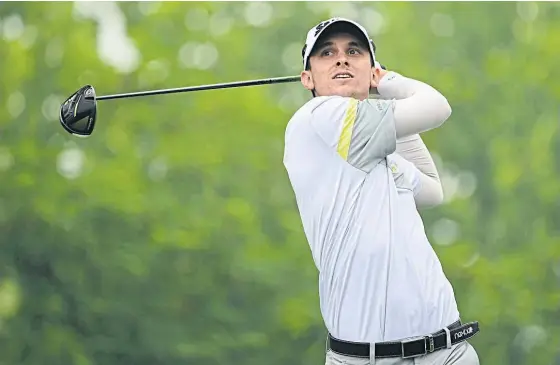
x: 418, y: 107
x: 430, y: 191
x: 365, y: 132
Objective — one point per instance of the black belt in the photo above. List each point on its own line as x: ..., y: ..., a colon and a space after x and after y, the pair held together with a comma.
x: 412, y: 347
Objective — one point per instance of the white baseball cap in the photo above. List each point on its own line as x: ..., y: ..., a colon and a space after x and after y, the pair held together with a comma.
x: 315, y: 32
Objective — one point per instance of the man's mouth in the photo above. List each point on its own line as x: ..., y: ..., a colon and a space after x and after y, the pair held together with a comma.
x: 343, y: 75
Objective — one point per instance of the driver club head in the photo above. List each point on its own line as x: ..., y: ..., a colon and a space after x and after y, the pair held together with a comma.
x: 77, y: 113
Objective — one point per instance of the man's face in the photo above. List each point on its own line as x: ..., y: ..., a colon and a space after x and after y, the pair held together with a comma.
x: 340, y: 65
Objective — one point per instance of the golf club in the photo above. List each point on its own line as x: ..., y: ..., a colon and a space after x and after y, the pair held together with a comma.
x: 78, y: 112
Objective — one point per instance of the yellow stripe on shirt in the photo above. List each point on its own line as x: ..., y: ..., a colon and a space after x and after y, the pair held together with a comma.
x: 346, y: 134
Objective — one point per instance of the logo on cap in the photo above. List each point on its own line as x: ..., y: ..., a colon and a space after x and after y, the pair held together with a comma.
x: 322, y: 25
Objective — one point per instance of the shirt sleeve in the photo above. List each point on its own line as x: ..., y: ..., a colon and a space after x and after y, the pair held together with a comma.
x: 361, y: 132
x: 415, y: 151
x: 418, y: 107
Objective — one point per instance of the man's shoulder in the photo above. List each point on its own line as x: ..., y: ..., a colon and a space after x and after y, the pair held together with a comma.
x: 322, y: 101
x: 329, y: 104
x: 322, y: 105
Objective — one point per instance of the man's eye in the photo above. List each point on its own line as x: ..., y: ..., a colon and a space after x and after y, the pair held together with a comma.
x: 326, y: 52
x: 354, y: 51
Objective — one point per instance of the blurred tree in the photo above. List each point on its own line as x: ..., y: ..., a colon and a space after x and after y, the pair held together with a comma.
x: 172, y: 236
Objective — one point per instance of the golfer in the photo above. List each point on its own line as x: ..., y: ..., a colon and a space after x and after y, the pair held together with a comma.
x: 383, y: 295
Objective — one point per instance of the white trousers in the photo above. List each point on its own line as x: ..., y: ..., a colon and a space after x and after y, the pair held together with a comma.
x: 460, y: 354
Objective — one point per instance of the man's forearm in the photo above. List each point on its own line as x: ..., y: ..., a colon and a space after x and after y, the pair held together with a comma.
x: 414, y: 150
x: 418, y: 107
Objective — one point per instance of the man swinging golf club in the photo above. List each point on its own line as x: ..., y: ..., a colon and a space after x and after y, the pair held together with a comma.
x: 383, y: 295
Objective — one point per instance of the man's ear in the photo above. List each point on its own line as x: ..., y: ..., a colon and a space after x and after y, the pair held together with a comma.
x: 307, y: 80
x: 375, y: 77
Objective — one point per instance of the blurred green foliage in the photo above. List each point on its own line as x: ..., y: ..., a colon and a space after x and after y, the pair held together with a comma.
x: 171, y: 235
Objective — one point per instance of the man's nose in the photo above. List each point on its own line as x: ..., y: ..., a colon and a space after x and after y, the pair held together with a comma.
x: 342, y: 60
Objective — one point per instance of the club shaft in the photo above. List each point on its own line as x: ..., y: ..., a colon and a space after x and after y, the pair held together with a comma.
x: 277, y: 80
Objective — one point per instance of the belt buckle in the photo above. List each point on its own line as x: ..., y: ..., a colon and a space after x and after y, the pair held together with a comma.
x: 429, y: 348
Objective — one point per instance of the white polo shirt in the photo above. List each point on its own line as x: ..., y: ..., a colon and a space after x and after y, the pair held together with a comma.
x: 429, y: 298
x: 378, y: 280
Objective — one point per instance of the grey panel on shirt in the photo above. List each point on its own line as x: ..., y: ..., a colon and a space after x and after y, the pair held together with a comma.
x: 373, y: 134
